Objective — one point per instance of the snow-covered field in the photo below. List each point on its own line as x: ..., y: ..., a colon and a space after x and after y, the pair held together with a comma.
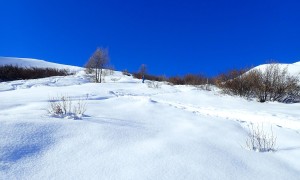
x: 130, y: 131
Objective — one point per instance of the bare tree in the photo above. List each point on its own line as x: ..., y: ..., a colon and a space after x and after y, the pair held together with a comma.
x: 97, y: 62
x: 143, y: 70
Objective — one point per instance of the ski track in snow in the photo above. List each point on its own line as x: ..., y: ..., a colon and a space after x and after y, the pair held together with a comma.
x: 239, y: 115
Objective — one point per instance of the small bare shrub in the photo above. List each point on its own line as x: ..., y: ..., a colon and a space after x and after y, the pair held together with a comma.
x: 60, y: 106
x: 206, y: 87
x: 64, y: 107
x: 259, y: 140
x: 79, y: 109
x: 153, y: 84
x: 55, y: 108
x: 115, y: 79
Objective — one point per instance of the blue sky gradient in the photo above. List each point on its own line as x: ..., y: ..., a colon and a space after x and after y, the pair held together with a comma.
x: 173, y: 37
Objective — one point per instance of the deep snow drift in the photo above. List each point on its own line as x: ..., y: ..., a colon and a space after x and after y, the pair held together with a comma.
x: 131, y: 131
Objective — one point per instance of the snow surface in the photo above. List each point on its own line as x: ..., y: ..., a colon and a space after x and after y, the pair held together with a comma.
x: 130, y: 131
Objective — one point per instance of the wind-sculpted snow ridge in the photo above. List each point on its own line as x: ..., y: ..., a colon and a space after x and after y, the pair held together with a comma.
x: 130, y: 131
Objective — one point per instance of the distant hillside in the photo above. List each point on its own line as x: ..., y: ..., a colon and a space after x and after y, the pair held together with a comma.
x: 293, y: 69
x: 28, y: 62
x: 23, y: 68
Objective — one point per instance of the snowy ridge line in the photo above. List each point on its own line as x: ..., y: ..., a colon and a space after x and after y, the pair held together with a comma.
x: 292, y: 69
x: 238, y: 115
x: 29, y: 62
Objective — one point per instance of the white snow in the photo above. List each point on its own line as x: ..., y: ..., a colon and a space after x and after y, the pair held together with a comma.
x: 131, y: 131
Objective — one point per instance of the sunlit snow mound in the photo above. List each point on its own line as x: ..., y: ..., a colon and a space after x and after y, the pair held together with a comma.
x: 28, y: 62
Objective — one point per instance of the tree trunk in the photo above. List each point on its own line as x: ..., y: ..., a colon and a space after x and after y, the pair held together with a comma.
x: 100, y: 75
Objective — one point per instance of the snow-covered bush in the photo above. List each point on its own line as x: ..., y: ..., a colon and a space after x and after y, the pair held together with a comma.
x: 206, y: 87
x: 114, y: 79
x: 259, y: 140
x: 79, y: 109
x: 153, y: 84
x: 64, y: 107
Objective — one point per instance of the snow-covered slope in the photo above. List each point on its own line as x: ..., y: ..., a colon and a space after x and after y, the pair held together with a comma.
x: 28, y: 62
x: 297, y: 63
x: 131, y: 131
x: 293, y: 69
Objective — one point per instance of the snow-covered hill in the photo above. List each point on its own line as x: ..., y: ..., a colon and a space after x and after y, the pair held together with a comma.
x: 131, y: 131
x: 28, y: 62
x: 293, y: 69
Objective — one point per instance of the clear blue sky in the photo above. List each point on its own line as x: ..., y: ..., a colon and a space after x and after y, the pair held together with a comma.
x: 172, y: 37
